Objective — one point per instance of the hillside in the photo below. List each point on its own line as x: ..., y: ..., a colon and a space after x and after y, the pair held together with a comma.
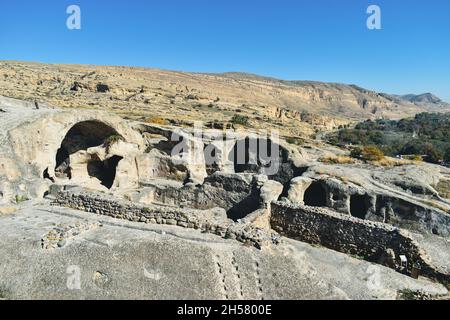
x: 294, y: 107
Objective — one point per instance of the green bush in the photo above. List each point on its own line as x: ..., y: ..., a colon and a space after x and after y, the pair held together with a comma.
x: 369, y: 153
x: 239, y: 119
x: 19, y: 199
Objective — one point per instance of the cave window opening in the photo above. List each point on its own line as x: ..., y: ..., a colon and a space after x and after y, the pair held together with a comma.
x: 358, y: 206
x: 62, y: 169
x: 315, y: 195
x: 105, y: 171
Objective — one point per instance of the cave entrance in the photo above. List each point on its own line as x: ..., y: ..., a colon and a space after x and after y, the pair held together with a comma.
x: 82, y: 136
x: 315, y: 195
x: 358, y: 206
x: 105, y: 171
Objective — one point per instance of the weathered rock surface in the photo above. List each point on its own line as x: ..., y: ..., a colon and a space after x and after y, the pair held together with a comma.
x: 129, y: 173
x: 126, y: 260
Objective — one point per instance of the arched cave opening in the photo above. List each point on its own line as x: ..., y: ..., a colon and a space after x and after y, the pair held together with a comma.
x: 315, y: 195
x: 359, y: 206
x: 87, y: 134
x: 82, y: 136
x: 105, y: 171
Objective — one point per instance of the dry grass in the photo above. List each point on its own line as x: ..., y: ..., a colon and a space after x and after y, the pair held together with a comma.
x: 443, y: 187
x: 295, y: 141
x: 338, y: 160
x: 7, y: 210
x: 344, y: 179
x: 156, y: 120
x: 436, y: 204
x: 391, y: 162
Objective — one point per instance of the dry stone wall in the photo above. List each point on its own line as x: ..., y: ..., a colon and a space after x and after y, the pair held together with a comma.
x: 372, y: 241
x: 205, y: 221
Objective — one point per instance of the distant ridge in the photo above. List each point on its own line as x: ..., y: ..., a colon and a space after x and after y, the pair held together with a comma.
x: 179, y: 97
x: 423, y: 98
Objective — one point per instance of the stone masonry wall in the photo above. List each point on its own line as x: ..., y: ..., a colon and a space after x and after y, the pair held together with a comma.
x: 187, y: 218
x: 375, y: 242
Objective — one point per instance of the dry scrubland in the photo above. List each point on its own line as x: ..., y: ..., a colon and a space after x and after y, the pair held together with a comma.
x: 296, y: 108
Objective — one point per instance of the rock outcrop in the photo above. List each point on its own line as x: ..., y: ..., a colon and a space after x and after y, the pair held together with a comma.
x: 235, y: 184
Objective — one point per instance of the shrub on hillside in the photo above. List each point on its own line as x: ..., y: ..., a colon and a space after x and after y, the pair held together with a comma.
x: 369, y: 153
x: 295, y: 141
x: 239, y: 119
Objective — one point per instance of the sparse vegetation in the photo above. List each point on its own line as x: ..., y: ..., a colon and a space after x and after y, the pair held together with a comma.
x: 295, y: 141
x: 6, y: 210
x: 408, y: 294
x: 368, y: 153
x: 112, y: 140
x: 391, y: 162
x: 156, y: 120
x: 146, y: 210
x: 20, y: 198
x: 239, y: 119
x: 338, y: 160
x: 443, y: 187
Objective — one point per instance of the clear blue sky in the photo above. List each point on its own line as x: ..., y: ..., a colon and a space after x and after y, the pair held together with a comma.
x: 325, y: 40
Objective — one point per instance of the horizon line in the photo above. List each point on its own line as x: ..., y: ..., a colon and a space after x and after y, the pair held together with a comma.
x: 218, y: 73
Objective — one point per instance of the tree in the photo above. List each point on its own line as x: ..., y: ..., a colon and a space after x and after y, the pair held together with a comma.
x: 433, y: 155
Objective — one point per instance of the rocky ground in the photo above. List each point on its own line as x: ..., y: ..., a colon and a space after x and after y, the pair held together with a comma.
x: 121, y: 259
x: 45, y: 248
